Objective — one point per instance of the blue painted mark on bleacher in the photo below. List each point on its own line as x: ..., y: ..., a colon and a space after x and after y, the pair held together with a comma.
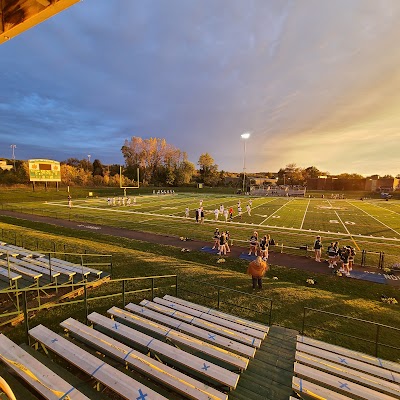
x: 148, y: 344
x: 342, y: 360
x: 208, y: 310
x: 65, y: 395
x: 301, y: 385
x: 254, y: 339
x: 380, y: 362
x: 142, y: 310
x: 115, y: 326
x: 192, y: 320
x: 145, y: 304
x: 344, y: 385
x: 245, y: 329
x: 393, y: 377
x: 128, y: 354
x: 211, y: 336
x: 97, y: 369
x: 179, y: 325
x: 168, y: 332
x: 54, y: 340
x: 142, y: 396
x: 173, y: 313
x: 172, y: 305
x: 205, y: 367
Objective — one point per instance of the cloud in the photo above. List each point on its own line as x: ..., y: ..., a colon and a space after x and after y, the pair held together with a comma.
x: 304, y: 77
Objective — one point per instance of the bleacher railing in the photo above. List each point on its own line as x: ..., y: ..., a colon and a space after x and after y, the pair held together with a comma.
x: 371, y: 338
x: 112, y: 289
x: 217, y: 299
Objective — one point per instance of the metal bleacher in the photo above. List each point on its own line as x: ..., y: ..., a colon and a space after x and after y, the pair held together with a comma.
x: 137, y: 365
x: 322, y: 369
x: 142, y: 353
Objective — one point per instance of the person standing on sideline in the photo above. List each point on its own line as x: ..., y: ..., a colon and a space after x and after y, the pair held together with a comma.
x: 253, y: 243
x: 257, y: 270
x: 197, y: 214
x: 352, y: 254
x: 216, y: 239
x: 216, y: 213
x: 201, y: 203
x: 264, y: 246
x: 222, y: 244
x: 187, y: 212
x: 228, y: 238
x: 201, y: 215
x: 240, y: 212
x: 318, y: 248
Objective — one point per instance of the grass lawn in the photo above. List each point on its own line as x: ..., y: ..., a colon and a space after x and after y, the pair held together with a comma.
x: 290, y: 292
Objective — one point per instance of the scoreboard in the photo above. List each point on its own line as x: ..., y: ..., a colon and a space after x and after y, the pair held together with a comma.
x: 44, y: 171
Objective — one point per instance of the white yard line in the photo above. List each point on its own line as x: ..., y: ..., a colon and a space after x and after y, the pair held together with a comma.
x: 305, y: 212
x: 261, y: 223
x: 376, y: 219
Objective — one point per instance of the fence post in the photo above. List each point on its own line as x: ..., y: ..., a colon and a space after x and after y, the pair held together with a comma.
x: 50, y: 264
x: 86, y: 303
x: 123, y: 293
x: 382, y: 260
x: 270, y: 313
x: 377, y: 340
x: 363, y: 253
x: 26, y: 320
x: 304, y: 321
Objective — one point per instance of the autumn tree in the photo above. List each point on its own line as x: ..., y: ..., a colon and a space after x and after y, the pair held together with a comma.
x: 208, y: 170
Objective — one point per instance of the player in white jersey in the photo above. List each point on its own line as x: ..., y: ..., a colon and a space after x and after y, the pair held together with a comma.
x: 221, y: 209
x: 226, y: 213
x: 240, y: 212
x: 187, y: 212
x: 216, y: 214
x: 248, y: 209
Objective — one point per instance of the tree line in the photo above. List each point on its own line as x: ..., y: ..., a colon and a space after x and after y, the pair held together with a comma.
x: 159, y: 164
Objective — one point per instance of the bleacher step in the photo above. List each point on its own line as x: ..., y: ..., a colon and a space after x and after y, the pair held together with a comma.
x: 269, y: 375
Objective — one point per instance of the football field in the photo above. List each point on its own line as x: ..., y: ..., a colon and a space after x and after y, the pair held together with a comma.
x: 371, y: 225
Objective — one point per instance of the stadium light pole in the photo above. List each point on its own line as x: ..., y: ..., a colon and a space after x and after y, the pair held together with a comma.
x: 88, y: 156
x: 245, y: 136
x: 13, y: 146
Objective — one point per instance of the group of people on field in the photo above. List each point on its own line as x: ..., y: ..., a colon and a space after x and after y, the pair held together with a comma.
x: 342, y: 257
x: 221, y: 242
x: 226, y: 212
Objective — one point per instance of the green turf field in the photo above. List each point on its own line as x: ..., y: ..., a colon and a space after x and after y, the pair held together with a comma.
x: 372, y: 225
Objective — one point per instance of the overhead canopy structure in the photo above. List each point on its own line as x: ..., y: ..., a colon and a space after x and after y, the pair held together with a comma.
x: 17, y: 16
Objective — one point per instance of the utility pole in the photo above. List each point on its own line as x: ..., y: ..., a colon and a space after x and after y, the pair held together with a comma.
x: 13, y: 147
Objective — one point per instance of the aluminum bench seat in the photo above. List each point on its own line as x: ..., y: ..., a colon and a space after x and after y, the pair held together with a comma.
x: 35, y: 374
x: 311, y: 390
x: 217, y: 313
x: 390, y: 365
x: 339, y: 385
x: 154, y: 369
x: 19, y: 269
x: 202, y: 323
x: 349, y: 362
x: 68, y: 274
x: 229, y: 360
x: 211, y: 318
x: 34, y: 267
x: 203, y: 334
x: 364, y: 379
x: 115, y: 380
x: 174, y: 355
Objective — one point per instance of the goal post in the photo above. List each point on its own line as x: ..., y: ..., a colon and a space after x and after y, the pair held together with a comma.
x: 121, y: 183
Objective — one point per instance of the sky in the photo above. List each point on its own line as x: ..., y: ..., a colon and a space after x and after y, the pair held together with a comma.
x: 315, y: 82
